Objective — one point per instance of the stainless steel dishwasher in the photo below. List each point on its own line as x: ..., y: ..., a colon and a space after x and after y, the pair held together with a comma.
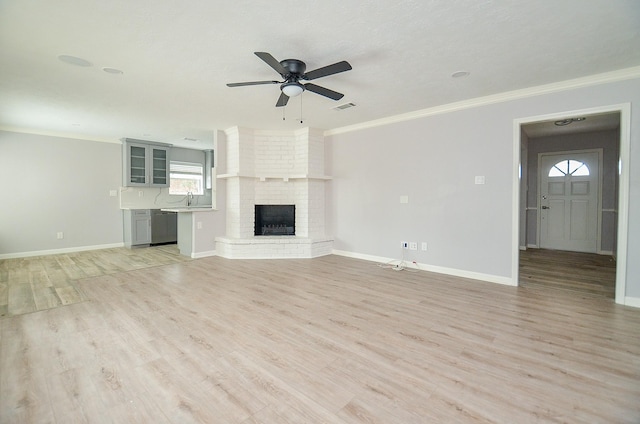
x: 164, y: 227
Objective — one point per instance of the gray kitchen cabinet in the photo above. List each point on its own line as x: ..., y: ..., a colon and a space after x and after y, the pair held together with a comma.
x: 145, y: 164
x: 137, y: 227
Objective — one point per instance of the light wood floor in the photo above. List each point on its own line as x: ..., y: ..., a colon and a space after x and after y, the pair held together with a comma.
x: 328, y: 340
x: 45, y: 282
x: 583, y: 273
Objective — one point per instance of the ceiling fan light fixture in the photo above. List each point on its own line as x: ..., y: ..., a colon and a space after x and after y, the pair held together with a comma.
x: 292, y: 89
x: 74, y: 60
x: 568, y: 121
x: 460, y: 74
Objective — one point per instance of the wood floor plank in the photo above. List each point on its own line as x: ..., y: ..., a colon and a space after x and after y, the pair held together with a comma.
x: 23, y: 389
x: 68, y: 295
x: 46, y: 298
x: 20, y: 299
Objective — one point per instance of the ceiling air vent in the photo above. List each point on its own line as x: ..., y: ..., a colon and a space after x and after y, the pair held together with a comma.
x: 344, y: 106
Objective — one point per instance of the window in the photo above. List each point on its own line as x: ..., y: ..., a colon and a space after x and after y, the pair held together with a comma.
x: 186, y: 177
x: 569, y: 167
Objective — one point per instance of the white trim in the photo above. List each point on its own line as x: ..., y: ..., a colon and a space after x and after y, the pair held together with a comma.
x: 605, y: 252
x: 203, y: 254
x: 523, y: 247
x: 532, y: 246
x: 623, y: 202
x: 59, y: 251
x: 609, y: 210
x: 60, y: 134
x: 623, y: 188
x: 516, y: 187
x: 632, y: 301
x: 607, y: 77
x: 430, y: 268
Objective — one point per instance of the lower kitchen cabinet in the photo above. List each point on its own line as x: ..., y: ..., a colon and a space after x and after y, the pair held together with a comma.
x: 137, y: 227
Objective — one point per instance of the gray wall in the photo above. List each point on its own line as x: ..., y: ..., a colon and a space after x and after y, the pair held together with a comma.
x: 609, y: 142
x: 433, y: 160
x: 52, y: 184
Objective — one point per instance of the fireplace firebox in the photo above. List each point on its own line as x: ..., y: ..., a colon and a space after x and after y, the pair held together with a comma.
x: 275, y: 220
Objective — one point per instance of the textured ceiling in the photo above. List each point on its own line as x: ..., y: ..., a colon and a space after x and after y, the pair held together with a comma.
x: 177, y: 56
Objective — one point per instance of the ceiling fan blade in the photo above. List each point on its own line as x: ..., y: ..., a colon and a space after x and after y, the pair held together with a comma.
x: 324, y: 91
x: 241, y: 84
x: 272, y: 61
x: 327, y: 70
x: 282, y: 100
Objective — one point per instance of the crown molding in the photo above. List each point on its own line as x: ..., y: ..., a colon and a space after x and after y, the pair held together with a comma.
x: 72, y: 136
x: 604, y: 78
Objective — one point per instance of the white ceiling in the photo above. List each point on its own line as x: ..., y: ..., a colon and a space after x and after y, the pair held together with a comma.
x: 177, y: 56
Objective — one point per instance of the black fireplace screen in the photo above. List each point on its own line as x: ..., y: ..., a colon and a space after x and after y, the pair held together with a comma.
x: 275, y: 220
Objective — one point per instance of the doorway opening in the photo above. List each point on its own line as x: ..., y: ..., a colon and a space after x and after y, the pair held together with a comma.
x: 560, y: 210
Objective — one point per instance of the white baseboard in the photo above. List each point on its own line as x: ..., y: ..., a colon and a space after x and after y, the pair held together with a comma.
x: 605, y: 252
x: 532, y: 246
x: 523, y: 247
x: 59, y: 251
x: 203, y: 254
x: 632, y: 301
x: 431, y: 268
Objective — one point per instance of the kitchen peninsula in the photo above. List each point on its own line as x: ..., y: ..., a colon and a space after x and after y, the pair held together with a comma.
x: 193, y: 239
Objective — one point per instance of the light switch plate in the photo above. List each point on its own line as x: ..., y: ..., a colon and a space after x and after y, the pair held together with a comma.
x: 404, y: 199
x: 479, y: 179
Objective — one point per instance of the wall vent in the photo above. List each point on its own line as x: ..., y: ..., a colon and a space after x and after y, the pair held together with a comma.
x: 344, y: 106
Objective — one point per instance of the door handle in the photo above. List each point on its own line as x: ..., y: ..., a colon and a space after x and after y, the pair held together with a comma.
x: 546, y: 207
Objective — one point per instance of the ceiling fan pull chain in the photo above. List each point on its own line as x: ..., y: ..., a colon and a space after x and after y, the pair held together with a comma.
x: 301, y: 109
x: 283, y: 113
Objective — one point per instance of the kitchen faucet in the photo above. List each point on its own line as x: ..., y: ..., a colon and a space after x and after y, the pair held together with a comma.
x: 189, y: 198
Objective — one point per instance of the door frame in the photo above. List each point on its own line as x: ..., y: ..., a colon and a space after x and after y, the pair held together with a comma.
x: 599, y: 194
x: 624, y: 110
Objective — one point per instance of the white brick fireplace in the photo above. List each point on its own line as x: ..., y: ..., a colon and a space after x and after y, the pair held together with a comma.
x: 274, y: 168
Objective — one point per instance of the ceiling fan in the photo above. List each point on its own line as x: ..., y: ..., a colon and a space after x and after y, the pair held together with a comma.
x: 293, y: 71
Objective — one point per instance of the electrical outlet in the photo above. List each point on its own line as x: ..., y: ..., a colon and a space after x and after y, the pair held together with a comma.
x: 413, y: 246
x: 199, y: 225
x: 140, y: 193
x: 113, y: 193
x: 404, y: 244
x: 424, y: 245
x: 59, y: 235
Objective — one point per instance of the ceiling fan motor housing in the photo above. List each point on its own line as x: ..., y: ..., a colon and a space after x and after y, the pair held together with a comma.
x: 295, y: 68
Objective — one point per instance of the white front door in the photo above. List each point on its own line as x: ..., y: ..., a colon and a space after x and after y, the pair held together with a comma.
x: 569, y: 201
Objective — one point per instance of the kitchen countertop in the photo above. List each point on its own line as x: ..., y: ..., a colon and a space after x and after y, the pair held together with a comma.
x: 189, y: 209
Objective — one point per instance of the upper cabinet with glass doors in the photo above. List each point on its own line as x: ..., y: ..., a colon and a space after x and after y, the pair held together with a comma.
x: 145, y: 164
